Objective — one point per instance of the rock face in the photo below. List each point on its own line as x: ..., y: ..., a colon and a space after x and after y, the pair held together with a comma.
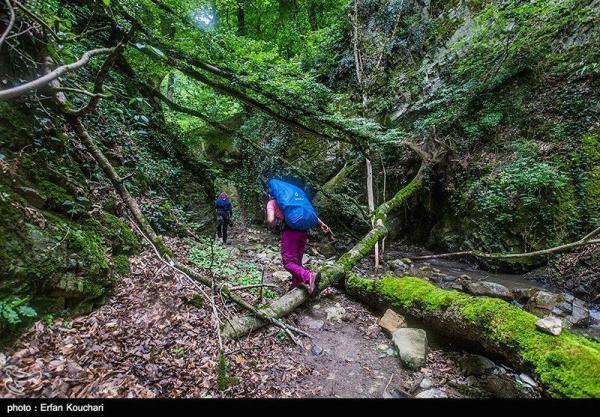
x: 490, y: 289
x: 550, y: 324
x: 412, y: 347
x: 392, y: 321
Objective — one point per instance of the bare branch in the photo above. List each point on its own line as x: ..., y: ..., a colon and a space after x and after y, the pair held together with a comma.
x: 80, y: 91
x: 11, y: 21
x: 46, y: 79
x: 584, y: 241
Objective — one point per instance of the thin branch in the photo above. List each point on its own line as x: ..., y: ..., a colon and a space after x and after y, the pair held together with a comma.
x: 46, y: 79
x: 11, y: 21
x: 80, y: 91
x: 584, y: 241
x: 243, y: 287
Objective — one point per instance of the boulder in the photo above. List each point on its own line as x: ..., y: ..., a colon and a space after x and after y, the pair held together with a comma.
x: 476, y: 365
x: 397, y: 265
x: 392, y: 321
x: 412, y: 347
x: 489, y: 289
x: 542, y: 302
x: 580, y: 316
x: 549, y: 324
x: 500, y: 386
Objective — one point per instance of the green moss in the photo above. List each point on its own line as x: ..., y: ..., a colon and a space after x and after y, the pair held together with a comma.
x: 568, y: 365
x: 224, y: 381
x: 121, y: 265
x: 120, y: 237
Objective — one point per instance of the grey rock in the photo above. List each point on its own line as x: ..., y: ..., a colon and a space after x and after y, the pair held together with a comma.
x: 542, y: 302
x: 580, y: 317
x: 426, y: 383
x: 316, y: 350
x: 476, y: 365
x: 500, y: 386
x: 490, y: 289
x: 527, y: 380
x: 282, y: 276
x: 412, y: 347
x: 471, y: 380
x: 550, y: 324
x: 565, y: 306
x: 394, y: 393
x: 397, y: 265
x: 432, y: 393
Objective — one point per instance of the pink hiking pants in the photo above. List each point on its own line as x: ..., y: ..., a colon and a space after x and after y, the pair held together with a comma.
x: 293, y: 243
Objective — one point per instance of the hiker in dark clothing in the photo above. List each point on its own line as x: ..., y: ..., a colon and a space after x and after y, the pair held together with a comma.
x: 224, y: 215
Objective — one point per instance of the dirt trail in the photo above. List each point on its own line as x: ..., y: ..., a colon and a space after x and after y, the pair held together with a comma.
x: 153, y: 339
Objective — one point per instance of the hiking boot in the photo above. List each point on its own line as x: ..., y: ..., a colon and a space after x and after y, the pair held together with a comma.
x: 313, y: 284
x: 316, y: 282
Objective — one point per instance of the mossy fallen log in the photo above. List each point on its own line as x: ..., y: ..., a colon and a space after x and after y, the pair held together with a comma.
x: 567, y: 365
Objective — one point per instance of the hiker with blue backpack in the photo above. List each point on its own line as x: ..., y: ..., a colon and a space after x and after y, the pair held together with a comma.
x: 224, y: 215
x: 289, y: 207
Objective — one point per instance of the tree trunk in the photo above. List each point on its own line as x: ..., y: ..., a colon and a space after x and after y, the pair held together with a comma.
x: 568, y: 365
x: 241, y: 18
x: 331, y: 275
x: 371, y: 200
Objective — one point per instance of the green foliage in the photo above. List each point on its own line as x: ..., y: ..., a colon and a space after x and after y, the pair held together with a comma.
x: 210, y: 256
x: 14, y: 309
x: 526, y: 197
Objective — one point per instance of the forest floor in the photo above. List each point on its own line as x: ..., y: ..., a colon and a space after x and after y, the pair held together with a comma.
x: 151, y: 340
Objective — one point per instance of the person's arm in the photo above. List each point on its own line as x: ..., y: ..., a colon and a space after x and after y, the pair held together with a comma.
x: 270, y: 213
x: 324, y: 228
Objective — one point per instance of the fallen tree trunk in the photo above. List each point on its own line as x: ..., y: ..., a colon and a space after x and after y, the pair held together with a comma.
x: 568, y: 365
x: 331, y: 275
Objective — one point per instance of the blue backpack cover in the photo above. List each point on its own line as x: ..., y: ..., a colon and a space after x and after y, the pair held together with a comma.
x: 296, y: 207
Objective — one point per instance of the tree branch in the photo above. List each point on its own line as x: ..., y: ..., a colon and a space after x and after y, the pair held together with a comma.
x: 46, y: 79
x: 584, y: 241
x: 11, y: 21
